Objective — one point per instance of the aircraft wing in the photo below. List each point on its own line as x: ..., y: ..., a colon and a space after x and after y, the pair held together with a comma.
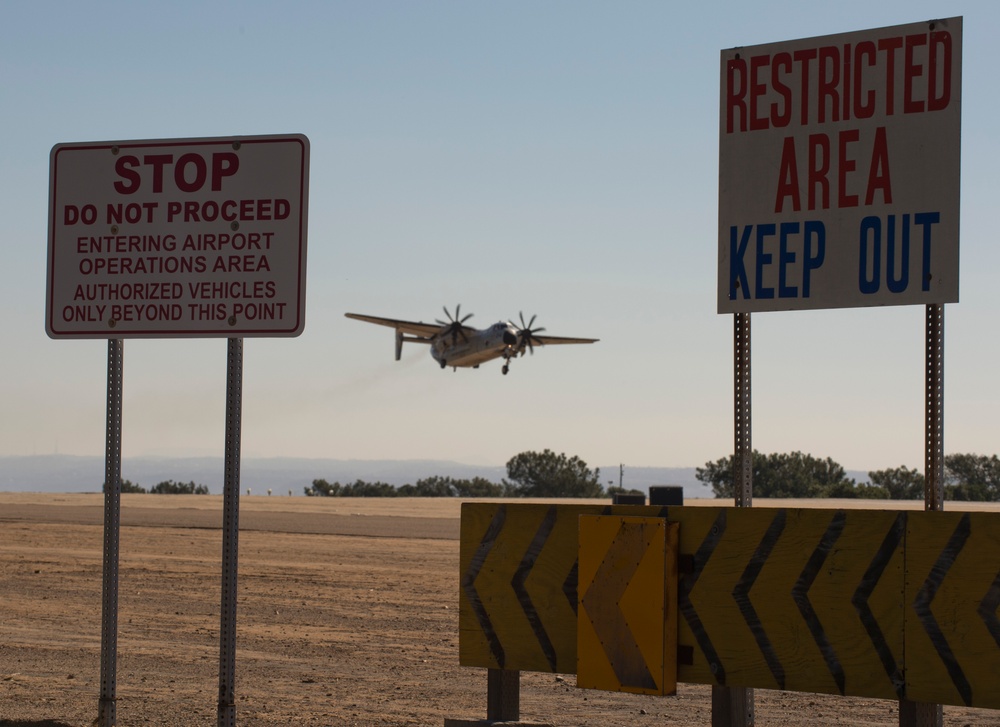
x: 421, y: 330
x: 554, y: 340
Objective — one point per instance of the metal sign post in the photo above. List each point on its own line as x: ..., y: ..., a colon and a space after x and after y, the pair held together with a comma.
x: 734, y: 706
x: 230, y: 536
x: 112, y: 518
x: 915, y: 714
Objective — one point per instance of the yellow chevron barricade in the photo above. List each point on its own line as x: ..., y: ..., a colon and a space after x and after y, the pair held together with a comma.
x: 795, y: 599
x: 627, y: 610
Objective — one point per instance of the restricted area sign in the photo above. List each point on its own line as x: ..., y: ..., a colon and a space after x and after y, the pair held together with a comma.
x: 178, y: 238
x: 839, y: 165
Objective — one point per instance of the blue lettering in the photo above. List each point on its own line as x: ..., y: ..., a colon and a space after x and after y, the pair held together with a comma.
x: 785, y: 258
x: 789, y: 259
x: 926, y: 219
x: 814, y: 229
x: 897, y: 285
x: 737, y: 266
x: 897, y: 273
x: 869, y: 284
x: 763, y: 259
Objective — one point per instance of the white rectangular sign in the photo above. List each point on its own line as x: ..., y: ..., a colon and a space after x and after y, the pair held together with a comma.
x: 839, y: 165
x: 178, y: 238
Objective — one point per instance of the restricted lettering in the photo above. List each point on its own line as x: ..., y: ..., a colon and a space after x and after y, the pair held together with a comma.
x: 833, y: 83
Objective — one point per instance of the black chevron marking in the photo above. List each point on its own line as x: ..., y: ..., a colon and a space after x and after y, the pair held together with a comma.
x: 469, y: 583
x: 523, y: 597
x: 741, y: 593
x: 864, y: 591
x: 570, y: 585
x: 988, y: 609
x: 925, y: 596
x: 687, y: 584
x: 602, y: 601
x: 800, y: 594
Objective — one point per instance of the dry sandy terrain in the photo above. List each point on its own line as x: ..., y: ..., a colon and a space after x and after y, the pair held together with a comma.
x: 347, y: 616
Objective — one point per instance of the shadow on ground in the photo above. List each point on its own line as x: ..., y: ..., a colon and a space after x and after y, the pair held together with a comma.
x: 33, y: 723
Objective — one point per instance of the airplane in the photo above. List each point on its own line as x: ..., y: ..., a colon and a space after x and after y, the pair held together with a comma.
x: 455, y: 344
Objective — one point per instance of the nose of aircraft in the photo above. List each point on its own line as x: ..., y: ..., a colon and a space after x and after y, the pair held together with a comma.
x: 509, y: 337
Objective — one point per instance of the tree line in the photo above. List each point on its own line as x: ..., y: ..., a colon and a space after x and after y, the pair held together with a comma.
x: 529, y: 474
x: 167, y: 487
x: 796, y: 475
x: 970, y: 477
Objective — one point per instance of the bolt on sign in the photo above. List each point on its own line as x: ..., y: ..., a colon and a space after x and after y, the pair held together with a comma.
x: 178, y: 238
x: 839, y: 166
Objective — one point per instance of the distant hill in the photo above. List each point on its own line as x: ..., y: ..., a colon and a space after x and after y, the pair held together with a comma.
x: 67, y: 473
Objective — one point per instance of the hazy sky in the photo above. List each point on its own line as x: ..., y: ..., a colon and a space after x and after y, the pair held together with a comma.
x: 558, y: 158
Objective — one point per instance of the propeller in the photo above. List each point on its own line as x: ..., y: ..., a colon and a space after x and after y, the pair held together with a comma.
x: 526, y: 335
x: 454, y: 324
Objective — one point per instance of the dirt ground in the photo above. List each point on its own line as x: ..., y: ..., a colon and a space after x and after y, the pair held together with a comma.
x: 347, y: 615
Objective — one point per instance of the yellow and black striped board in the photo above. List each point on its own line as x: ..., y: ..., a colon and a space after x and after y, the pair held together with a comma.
x: 952, y: 599
x: 807, y: 600
x: 800, y: 600
x: 627, y: 613
x: 518, y: 596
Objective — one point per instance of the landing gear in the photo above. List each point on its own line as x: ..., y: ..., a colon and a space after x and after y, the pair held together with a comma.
x: 443, y: 363
x: 507, y: 356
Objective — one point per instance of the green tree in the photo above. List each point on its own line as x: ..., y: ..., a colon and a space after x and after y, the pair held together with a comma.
x: 900, y: 483
x: 360, y: 488
x: 794, y: 475
x: 169, y: 487
x: 972, y: 477
x: 322, y: 488
x: 546, y: 474
x: 481, y: 487
x: 434, y: 487
x: 864, y: 491
x: 449, y: 487
x: 127, y: 486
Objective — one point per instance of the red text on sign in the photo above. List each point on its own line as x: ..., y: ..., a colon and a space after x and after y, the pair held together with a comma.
x: 189, y: 172
x: 909, y: 74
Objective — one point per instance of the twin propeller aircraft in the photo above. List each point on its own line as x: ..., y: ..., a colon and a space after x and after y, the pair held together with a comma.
x: 455, y: 344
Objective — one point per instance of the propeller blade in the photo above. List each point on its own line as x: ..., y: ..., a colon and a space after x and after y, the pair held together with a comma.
x: 454, y: 325
x: 526, y: 334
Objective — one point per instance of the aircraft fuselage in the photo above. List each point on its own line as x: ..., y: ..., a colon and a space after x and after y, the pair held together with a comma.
x: 477, y: 347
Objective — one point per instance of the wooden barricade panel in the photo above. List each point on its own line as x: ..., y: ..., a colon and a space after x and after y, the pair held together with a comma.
x: 627, y: 612
x: 805, y: 600
x: 952, y: 601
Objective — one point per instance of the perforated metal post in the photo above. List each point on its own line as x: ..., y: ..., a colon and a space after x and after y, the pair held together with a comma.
x: 934, y: 410
x: 914, y: 714
x: 106, y: 712
x: 734, y: 706
x: 230, y: 536
x: 743, y: 444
